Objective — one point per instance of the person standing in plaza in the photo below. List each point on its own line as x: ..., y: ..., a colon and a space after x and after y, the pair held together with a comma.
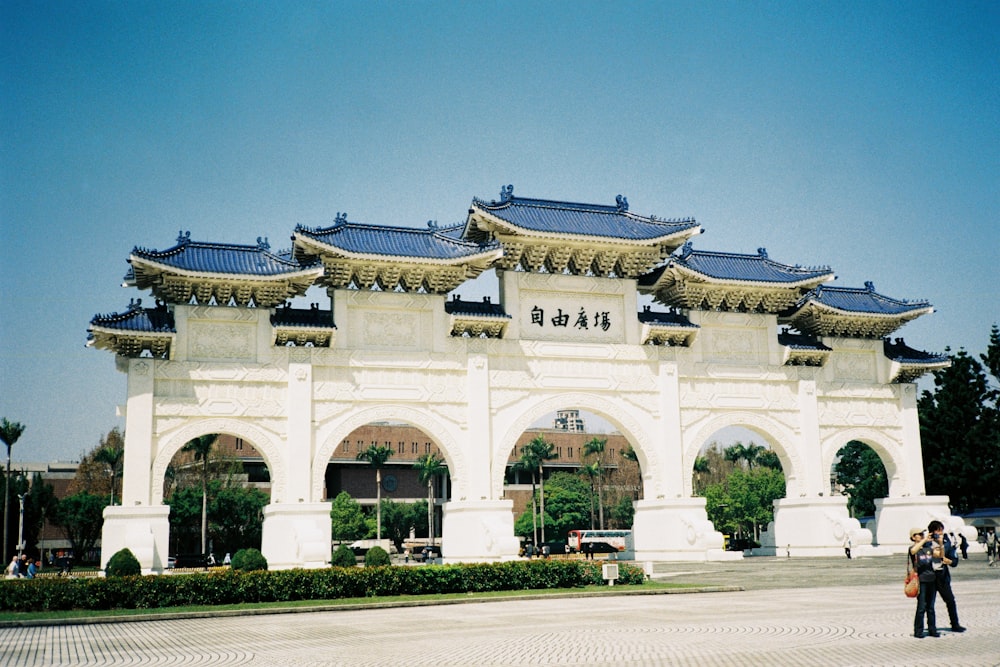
x: 991, y: 545
x: 942, y: 571
x: 922, y: 559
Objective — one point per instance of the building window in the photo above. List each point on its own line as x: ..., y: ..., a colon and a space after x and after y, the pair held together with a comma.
x: 427, y: 448
x: 239, y: 444
x: 559, y: 452
x: 414, y: 449
x: 400, y: 447
x: 570, y: 452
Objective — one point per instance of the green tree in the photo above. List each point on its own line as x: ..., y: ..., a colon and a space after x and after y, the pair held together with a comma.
x: 629, y: 454
x: 567, y: 505
x: 81, y: 517
x: 701, y: 469
x: 744, y: 454
x: 960, y: 430
x: 535, y: 454
x: 111, y: 456
x: 595, y: 448
x: 401, y: 518
x: 429, y: 467
x: 201, y: 447
x: 861, y: 472
x: 236, y: 518
x: 744, y: 503
x: 40, y: 505
x: 592, y: 471
x: 10, y: 433
x: 377, y: 455
x: 347, y: 519
x: 185, y: 512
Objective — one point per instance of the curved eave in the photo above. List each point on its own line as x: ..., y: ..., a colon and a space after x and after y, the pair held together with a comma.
x: 673, y: 272
x: 500, y: 227
x: 303, y: 335
x: 672, y: 335
x: 312, y: 247
x: 905, y: 372
x: 147, y: 272
x: 475, y: 325
x: 131, y: 343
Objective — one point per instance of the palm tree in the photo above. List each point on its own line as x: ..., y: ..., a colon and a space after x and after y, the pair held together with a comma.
x: 596, y: 448
x: 377, y: 455
x: 202, y: 447
x: 10, y: 432
x: 111, y: 457
x: 749, y: 453
x: 428, y: 467
x: 592, y: 471
x: 540, y: 452
x: 528, y: 464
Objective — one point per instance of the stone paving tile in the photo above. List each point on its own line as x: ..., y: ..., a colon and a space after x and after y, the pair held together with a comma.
x: 866, y: 624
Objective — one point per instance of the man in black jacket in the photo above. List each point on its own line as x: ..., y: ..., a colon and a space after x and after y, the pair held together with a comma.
x: 942, y: 572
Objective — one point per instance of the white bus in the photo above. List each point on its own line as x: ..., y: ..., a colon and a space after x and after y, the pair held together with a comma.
x: 599, y: 541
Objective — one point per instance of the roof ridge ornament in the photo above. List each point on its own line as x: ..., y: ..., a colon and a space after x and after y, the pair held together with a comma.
x: 686, y: 249
x: 432, y: 224
x: 262, y: 243
x: 506, y: 193
x: 762, y: 252
x: 341, y: 218
x: 869, y: 285
x: 622, y: 203
x: 183, y: 238
x: 134, y: 305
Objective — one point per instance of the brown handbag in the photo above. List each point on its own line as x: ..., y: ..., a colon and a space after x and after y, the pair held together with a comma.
x: 911, y: 585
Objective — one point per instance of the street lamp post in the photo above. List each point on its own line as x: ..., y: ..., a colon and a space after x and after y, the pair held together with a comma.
x: 20, y: 529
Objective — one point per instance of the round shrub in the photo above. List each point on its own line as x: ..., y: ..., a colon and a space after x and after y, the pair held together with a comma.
x: 123, y: 564
x: 376, y: 556
x: 248, y: 560
x: 343, y: 557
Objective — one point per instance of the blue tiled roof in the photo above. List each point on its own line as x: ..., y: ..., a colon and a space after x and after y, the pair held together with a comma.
x: 314, y: 317
x: 223, y: 258
x: 757, y: 268
x: 137, y: 319
x: 429, y: 243
x: 559, y: 217
x: 671, y: 318
x: 798, y: 341
x: 484, y: 308
x: 900, y: 352
x: 860, y: 300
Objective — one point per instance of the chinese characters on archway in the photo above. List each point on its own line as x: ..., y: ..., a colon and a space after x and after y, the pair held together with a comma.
x: 598, y: 319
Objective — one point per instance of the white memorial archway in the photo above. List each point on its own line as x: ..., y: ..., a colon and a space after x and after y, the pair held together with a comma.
x: 741, y: 341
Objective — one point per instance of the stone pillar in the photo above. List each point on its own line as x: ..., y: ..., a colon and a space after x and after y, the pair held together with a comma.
x: 144, y: 530
x: 296, y: 535
x: 813, y: 527
x: 480, y: 530
x: 138, y: 459
x: 676, y: 530
x: 670, y: 445
x: 299, y: 438
x: 815, y: 480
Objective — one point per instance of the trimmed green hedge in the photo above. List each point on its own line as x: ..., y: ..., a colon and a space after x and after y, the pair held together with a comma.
x: 235, y: 587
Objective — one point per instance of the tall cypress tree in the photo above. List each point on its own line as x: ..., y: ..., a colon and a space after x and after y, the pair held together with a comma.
x: 959, y: 423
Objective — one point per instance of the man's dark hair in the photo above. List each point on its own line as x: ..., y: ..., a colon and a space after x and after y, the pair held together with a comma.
x: 934, y: 526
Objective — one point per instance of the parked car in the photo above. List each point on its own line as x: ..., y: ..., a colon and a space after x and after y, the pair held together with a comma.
x: 191, y: 560
x: 171, y: 562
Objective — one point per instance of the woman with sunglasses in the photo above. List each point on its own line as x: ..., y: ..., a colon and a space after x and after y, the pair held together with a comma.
x: 922, y: 558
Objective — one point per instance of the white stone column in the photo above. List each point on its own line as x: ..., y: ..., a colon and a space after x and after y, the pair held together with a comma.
x: 479, y: 530
x: 912, y: 456
x: 669, y: 447
x: 296, y: 531
x: 137, y: 464
x: 678, y: 530
x: 814, y: 482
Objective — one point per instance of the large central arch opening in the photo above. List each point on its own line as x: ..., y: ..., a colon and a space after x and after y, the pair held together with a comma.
x: 406, y: 491
x: 570, y: 470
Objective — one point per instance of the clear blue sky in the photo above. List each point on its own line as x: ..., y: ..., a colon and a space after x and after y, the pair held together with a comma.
x: 860, y: 135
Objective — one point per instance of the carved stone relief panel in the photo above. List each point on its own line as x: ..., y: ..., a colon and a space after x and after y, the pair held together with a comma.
x: 218, y: 341
x: 853, y: 366
x: 858, y: 412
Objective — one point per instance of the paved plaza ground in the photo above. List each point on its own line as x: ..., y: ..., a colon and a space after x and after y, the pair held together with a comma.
x: 792, y: 612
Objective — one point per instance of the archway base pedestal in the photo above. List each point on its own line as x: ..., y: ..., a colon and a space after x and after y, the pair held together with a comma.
x: 677, y: 530
x: 894, y: 517
x: 815, y: 526
x: 478, y: 531
x: 143, y: 529
x: 296, y: 535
